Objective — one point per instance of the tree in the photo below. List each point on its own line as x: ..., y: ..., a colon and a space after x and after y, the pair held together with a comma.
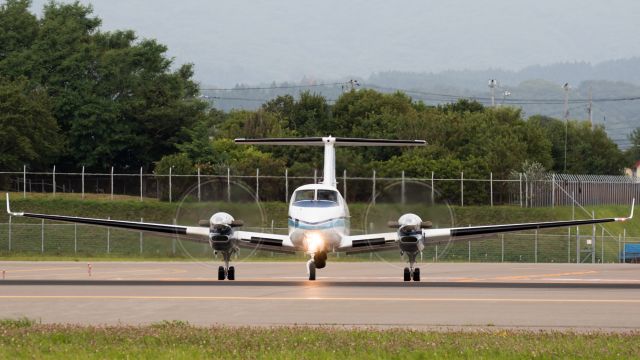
x: 28, y: 132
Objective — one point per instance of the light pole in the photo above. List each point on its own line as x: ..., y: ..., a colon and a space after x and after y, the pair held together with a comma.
x: 504, y: 95
x: 566, y: 121
x: 493, y: 83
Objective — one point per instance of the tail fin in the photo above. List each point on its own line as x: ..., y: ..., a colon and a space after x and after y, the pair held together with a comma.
x: 329, y: 143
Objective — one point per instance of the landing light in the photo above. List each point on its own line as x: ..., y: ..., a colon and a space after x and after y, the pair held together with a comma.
x: 314, y: 242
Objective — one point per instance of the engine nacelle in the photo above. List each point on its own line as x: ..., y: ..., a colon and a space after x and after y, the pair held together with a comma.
x: 410, y: 233
x: 221, y: 226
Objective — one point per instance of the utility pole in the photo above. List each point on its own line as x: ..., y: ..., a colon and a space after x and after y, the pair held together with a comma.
x: 566, y: 121
x: 590, y: 107
x: 493, y: 83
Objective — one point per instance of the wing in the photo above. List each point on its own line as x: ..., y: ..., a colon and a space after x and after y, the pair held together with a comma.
x: 265, y: 241
x: 245, y: 239
x: 476, y: 232
x: 369, y: 243
x: 195, y: 233
x: 388, y: 241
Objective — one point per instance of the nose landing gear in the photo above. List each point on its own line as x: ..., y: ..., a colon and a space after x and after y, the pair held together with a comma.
x: 412, y: 272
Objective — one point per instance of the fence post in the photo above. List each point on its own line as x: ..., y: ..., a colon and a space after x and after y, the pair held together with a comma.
x: 286, y: 185
x: 491, y: 186
x: 402, y: 189
x: 112, y: 183
x: 108, y: 238
x: 436, y: 252
x: 228, y: 184
x: 578, y: 245
x: 42, y: 237
x: 520, y: 182
x: 141, y: 236
x: 461, y: 188
x: 315, y: 176
x: 75, y: 238
x: 10, y: 233
x: 170, y: 173
x: 602, y: 245
x: 624, y: 245
x: 83, y: 181
x: 373, y: 188
x: 344, y: 183
x: 535, y: 255
x: 173, y: 240
x: 469, y: 242
x: 619, y: 248
x: 54, y: 180
x: 432, y: 190
x: 502, y: 247
x: 553, y: 190
x: 569, y: 244
x: 199, y: 191
x: 593, y: 239
x: 257, y: 185
x: 140, y: 183
x: 24, y: 181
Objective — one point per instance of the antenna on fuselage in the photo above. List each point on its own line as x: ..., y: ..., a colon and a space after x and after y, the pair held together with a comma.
x: 329, y: 143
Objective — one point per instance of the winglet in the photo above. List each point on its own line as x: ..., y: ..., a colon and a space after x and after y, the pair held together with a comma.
x: 9, y: 208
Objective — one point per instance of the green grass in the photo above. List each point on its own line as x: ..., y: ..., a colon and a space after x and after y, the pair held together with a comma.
x: 82, y: 242
x: 178, y: 340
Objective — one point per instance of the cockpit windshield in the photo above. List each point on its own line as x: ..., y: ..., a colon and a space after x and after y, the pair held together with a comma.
x: 315, y: 198
x: 327, y: 195
x: 304, y: 195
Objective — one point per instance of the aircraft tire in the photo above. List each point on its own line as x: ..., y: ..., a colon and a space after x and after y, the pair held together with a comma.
x: 231, y: 273
x: 221, y: 274
x: 312, y: 270
x: 407, y: 274
x: 416, y: 274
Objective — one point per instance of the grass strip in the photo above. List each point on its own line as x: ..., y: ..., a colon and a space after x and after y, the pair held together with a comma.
x: 24, y: 338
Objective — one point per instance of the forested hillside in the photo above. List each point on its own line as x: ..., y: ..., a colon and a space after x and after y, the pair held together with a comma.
x: 73, y: 95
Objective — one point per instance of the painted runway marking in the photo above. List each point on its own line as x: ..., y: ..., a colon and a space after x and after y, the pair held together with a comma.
x: 260, y: 298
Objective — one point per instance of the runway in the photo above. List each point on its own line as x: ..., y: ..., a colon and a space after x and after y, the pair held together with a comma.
x: 451, y: 295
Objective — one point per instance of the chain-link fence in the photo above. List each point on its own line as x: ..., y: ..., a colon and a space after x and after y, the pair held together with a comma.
x: 521, y: 189
x: 55, y: 239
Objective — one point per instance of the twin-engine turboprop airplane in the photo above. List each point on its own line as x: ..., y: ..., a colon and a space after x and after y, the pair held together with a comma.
x: 319, y: 221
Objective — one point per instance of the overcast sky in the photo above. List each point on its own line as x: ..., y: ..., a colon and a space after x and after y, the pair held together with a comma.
x: 252, y: 41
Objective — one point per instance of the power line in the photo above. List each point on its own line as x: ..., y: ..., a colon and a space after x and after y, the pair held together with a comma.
x: 272, y: 87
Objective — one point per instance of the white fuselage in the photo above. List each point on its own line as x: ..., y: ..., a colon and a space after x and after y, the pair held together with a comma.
x: 318, y: 218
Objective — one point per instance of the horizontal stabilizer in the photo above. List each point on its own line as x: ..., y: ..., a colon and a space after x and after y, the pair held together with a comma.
x: 339, y: 141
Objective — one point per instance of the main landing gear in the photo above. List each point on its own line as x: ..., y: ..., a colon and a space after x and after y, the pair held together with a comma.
x: 412, y: 272
x: 319, y: 261
x: 226, y: 271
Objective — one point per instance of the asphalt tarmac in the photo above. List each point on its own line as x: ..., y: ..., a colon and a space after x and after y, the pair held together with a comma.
x: 450, y: 296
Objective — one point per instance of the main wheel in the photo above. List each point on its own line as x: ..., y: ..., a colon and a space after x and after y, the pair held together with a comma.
x: 416, y: 274
x: 312, y: 270
x: 407, y: 274
x: 221, y: 274
x: 231, y: 273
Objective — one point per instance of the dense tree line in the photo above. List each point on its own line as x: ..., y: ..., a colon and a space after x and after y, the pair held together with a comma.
x: 73, y: 95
